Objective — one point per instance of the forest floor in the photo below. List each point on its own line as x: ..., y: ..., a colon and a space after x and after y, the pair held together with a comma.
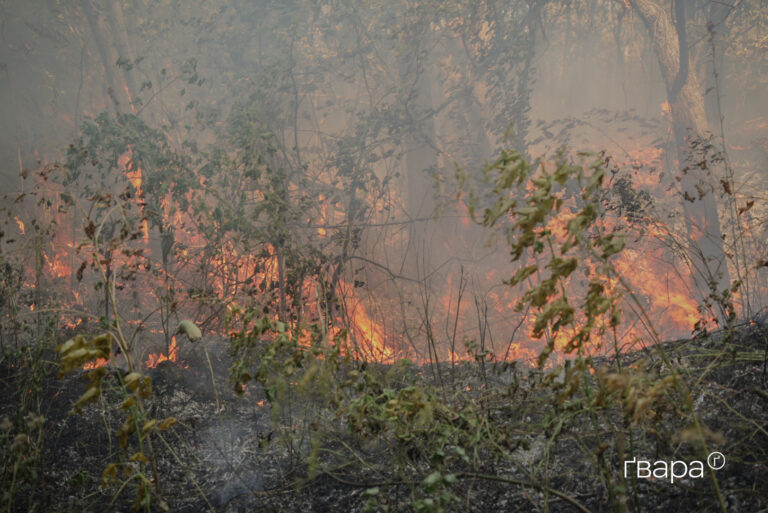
x: 231, y: 453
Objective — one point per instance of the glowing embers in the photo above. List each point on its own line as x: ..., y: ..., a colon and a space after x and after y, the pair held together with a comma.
x: 70, y: 323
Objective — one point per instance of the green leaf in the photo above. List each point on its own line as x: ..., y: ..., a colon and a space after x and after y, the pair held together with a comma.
x: 432, y: 480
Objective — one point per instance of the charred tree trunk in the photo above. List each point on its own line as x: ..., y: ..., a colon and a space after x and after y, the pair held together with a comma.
x: 689, y: 125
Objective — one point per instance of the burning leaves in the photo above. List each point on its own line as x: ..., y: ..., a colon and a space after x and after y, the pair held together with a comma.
x: 99, y: 362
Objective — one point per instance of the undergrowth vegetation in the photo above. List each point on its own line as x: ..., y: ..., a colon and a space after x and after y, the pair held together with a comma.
x: 390, y: 435
x: 252, y: 257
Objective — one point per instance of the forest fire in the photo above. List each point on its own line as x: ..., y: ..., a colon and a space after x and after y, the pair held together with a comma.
x: 368, y: 336
x: 368, y: 256
x: 667, y: 294
x: 152, y: 361
x: 155, y: 359
x: 100, y: 362
x: 134, y: 175
x: 208, y: 222
x: 231, y: 269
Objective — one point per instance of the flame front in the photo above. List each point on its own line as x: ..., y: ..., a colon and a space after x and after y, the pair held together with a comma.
x: 368, y: 336
x: 154, y: 359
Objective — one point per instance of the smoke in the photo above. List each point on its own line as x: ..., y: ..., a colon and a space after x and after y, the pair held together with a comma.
x: 374, y: 109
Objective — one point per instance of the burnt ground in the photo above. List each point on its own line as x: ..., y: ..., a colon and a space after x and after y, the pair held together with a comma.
x: 232, y: 454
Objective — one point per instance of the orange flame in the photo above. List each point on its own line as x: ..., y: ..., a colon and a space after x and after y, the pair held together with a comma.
x: 153, y: 360
x: 59, y: 267
x: 669, y: 298
x: 133, y: 173
x: 100, y: 362
x: 367, y: 333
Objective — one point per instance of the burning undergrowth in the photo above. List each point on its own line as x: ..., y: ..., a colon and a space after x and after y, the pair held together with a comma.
x: 205, y: 235
x: 270, y: 269
x: 512, y: 384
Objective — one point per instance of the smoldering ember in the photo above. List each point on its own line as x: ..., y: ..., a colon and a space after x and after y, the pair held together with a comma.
x: 369, y: 256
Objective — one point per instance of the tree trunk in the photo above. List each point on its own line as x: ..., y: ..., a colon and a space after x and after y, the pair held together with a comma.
x: 420, y: 156
x: 689, y: 125
x: 112, y: 41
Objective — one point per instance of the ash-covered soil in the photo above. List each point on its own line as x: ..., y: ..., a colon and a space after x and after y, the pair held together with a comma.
x: 235, y: 454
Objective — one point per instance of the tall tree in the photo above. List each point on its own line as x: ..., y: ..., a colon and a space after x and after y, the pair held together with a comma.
x: 108, y: 28
x: 689, y: 125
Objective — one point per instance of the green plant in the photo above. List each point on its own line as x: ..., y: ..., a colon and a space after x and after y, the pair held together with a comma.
x: 525, y: 201
x: 133, y: 386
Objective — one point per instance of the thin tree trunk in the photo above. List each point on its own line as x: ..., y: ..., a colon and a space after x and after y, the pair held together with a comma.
x: 420, y: 158
x: 420, y: 155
